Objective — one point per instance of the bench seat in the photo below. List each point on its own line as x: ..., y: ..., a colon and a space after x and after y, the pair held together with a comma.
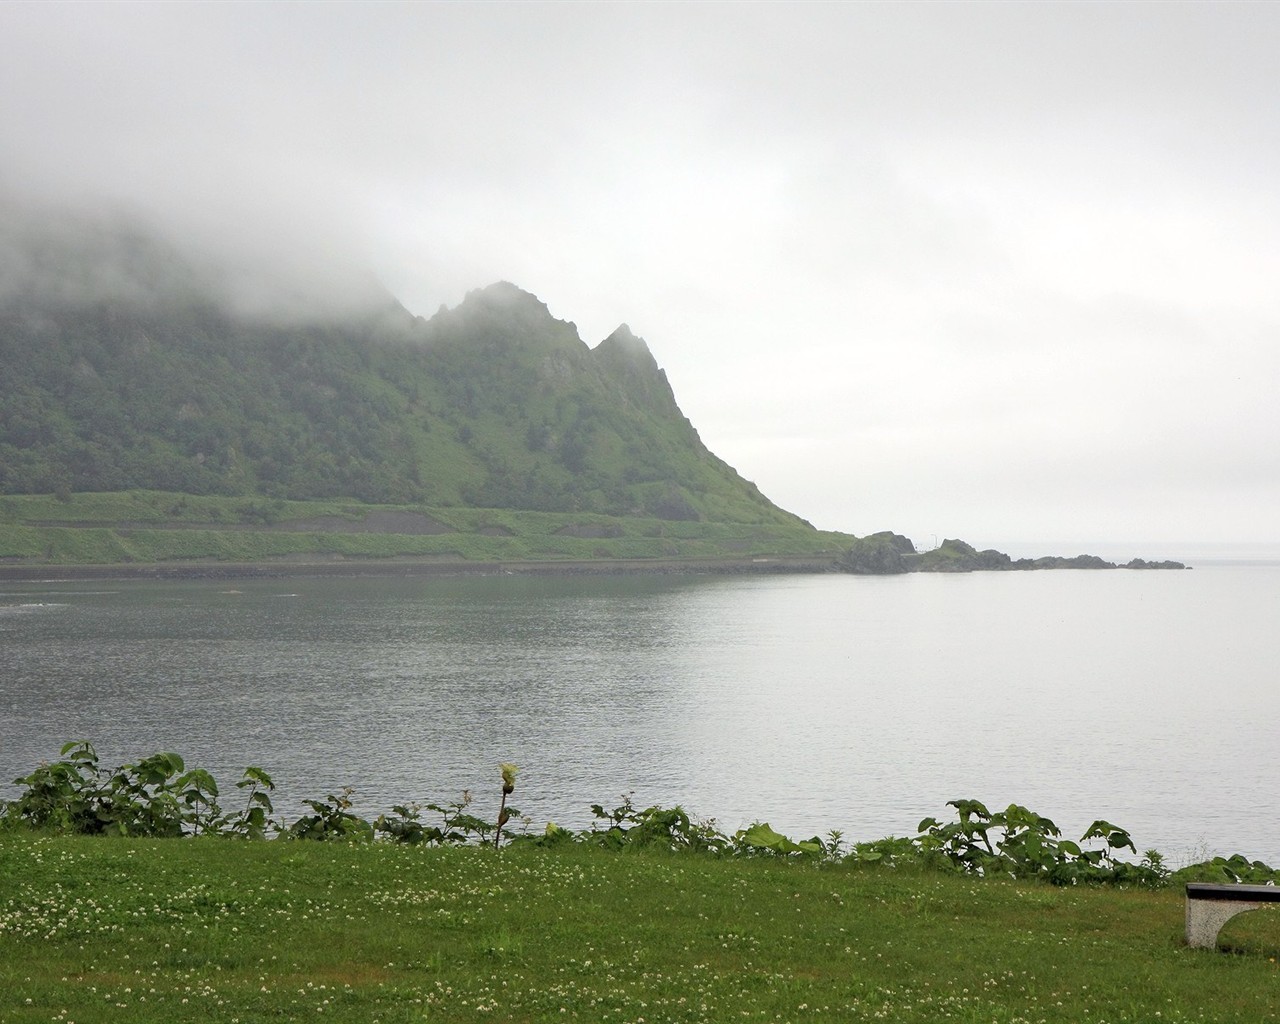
x: 1211, y: 905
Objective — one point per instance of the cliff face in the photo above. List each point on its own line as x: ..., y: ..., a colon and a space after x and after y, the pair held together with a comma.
x: 493, y: 403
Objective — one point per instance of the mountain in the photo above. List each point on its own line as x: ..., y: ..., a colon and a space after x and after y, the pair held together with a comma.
x: 128, y: 367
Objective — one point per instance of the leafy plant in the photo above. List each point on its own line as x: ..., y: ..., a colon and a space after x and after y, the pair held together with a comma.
x: 255, y: 819
x: 1236, y: 869
x: 403, y: 825
x: 332, y: 820
x: 760, y: 837
x: 75, y: 794
x: 889, y: 852
x: 59, y: 796
x: 457, y: 825
x: 1020, y: 843
x: 665, y: 827
x: 197, y: 792
x: 139, y: 799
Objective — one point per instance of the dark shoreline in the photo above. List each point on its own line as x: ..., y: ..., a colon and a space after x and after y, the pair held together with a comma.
x: 32, y: 573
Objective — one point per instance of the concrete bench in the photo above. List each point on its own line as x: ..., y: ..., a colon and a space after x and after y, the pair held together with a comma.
x: 1210, y: 906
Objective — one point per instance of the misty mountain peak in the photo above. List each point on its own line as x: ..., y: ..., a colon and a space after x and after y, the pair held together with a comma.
x: 507, y: 316
x: 623, y: 344
x: 624, y: 336
x: 625, y: 356
x: 504, y: 294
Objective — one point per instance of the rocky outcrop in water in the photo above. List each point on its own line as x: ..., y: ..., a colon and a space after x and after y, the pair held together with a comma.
x: 881, y: 554
x: 886, y: 554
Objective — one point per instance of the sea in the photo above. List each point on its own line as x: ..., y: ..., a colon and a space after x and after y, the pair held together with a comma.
x: 815, y: 702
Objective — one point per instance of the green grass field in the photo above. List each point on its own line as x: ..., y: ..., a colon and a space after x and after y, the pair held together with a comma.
x: 212, y: 929
x: 140, y: 527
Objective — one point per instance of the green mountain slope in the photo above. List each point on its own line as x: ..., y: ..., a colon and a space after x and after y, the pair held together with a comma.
x: 494, y: 403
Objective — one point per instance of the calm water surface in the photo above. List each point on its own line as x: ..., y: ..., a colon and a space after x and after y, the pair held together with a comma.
x: 813, y: 702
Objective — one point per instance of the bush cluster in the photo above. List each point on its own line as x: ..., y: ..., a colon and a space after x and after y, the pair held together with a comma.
x: 159, y: 797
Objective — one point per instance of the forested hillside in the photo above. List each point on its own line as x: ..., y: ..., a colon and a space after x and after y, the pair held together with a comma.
x: 158, y: 384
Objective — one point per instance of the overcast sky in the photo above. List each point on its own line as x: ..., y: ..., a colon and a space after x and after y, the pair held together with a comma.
x: 1004, y: 272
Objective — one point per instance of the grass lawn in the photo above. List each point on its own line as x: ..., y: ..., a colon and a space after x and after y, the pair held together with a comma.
x: 226, y: 930
x: 145, y: 527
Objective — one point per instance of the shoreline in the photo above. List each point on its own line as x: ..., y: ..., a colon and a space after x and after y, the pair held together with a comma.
x: 340, y: 568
